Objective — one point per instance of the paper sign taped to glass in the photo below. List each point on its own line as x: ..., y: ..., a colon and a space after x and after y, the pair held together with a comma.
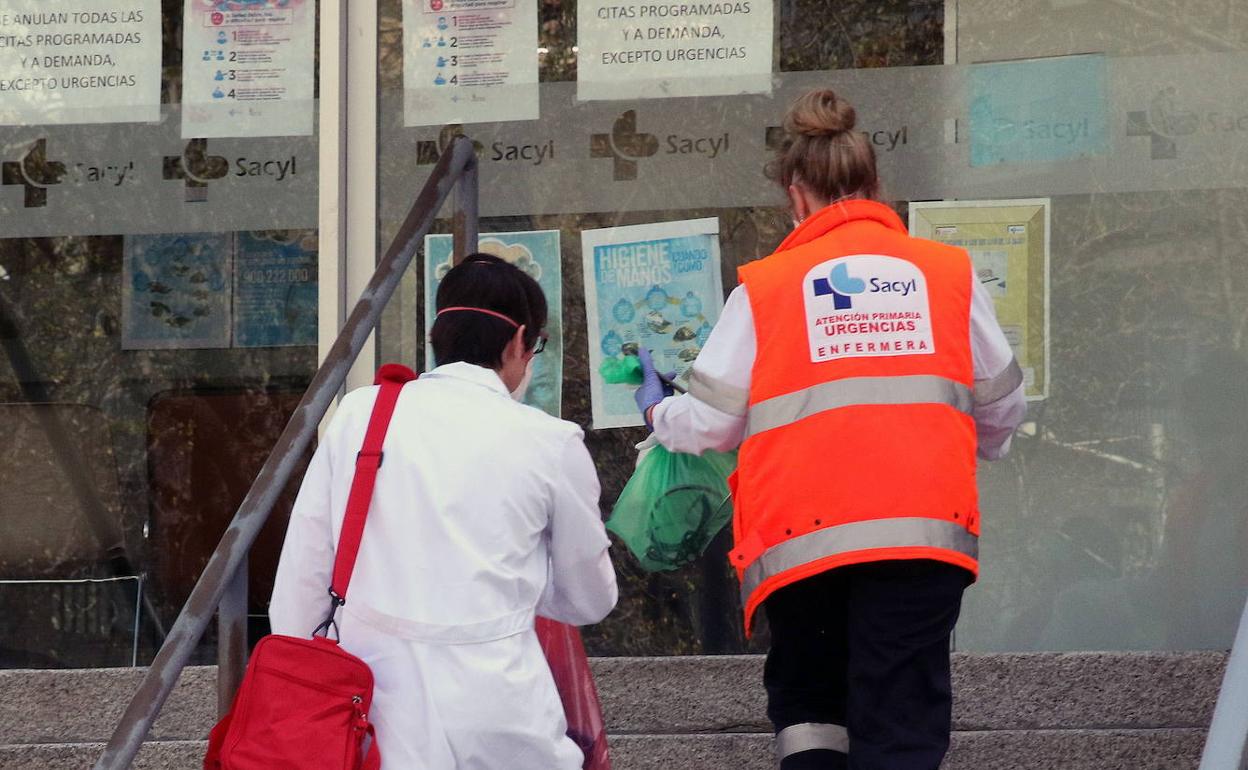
x: 537, y: 253
x: 275, y: 288
x: 176, y: 291
x: 655, y: 285
x: 1008, y: 241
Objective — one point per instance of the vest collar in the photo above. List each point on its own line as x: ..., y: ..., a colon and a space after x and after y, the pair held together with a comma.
x: 828, y: 218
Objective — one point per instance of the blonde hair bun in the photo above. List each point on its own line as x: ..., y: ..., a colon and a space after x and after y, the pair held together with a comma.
x: 820, y: 113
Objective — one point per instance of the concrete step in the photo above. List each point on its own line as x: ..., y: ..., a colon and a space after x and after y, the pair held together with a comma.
x: 1102, y: 711
x: 690, y: 695
x: 1175, y: 749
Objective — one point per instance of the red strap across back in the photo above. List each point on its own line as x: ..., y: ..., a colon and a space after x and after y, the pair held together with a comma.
x: 391, y: 378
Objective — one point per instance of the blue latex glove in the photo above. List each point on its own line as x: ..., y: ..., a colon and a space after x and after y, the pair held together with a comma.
x: 653, y: 389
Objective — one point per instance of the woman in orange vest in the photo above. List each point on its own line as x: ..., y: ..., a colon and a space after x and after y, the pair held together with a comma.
x: 860, y: 371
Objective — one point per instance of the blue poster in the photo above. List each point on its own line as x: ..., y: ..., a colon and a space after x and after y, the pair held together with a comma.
x: 655, y: 285
x: 536, y: 253
x: 176, y: 291
x: 1039, y: 110
x: 275, y: 288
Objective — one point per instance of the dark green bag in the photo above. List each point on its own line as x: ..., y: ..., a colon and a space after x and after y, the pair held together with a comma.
x: 673, y: 506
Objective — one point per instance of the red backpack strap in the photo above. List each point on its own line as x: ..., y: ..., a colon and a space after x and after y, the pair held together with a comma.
x: 391, y: 378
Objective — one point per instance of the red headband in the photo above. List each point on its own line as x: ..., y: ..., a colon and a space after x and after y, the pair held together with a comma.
x: 479, y: 310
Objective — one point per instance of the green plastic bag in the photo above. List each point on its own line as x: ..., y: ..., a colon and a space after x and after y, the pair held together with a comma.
x: 673, y: 506
x: 625, y: 370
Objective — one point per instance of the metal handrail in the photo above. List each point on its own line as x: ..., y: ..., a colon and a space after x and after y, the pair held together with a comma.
x: 1228, y: 732
x: 224, y: 578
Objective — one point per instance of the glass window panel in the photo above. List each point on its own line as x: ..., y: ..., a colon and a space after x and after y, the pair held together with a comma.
x: 158, y: 322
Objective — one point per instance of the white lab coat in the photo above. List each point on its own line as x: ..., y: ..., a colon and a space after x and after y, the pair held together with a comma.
x: 484, y: 514
x: 712, y: 414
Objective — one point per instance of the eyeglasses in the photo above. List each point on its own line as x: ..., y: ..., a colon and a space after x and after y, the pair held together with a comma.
x: 540, y: 345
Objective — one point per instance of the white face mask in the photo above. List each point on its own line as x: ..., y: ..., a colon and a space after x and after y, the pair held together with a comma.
x: 523, y: 388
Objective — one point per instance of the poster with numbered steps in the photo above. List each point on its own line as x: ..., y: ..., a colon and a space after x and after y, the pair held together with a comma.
x: 469, y: 61
x: 247, y: 68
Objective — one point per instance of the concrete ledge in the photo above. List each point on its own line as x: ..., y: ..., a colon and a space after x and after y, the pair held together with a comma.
x: 86, y: 704
x: 992, y: 692
x: 173, y: 755
x: 698, y: 695
x: 1009, y: 750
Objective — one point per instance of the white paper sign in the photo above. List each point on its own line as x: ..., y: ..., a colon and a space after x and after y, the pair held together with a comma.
x: 247, y: 68
x: 90, y: 61
x: 640, y: 49
x: 469, y: 61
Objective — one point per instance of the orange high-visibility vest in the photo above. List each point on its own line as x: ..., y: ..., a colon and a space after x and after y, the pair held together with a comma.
x: 859, y: 442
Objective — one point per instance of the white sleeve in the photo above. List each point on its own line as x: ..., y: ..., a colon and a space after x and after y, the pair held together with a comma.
x: 712, y: 414
x: 582, y: 586
x: 300, y: 599
x: 1000, y: 406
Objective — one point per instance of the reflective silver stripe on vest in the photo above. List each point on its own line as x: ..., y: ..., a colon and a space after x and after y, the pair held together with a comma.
x: 728, y: 399
x: 810, y: 736
x: 857, y: 391
x: 996, y: 388
x: 858, y: 536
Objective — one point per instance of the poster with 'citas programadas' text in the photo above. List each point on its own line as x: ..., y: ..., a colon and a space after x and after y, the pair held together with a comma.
x: 640, y: 49
x: 90, y: 61
x: 656, y: 286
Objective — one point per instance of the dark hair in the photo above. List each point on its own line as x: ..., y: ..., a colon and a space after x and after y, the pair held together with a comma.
x: 487, y: 282
x: 823, y: 153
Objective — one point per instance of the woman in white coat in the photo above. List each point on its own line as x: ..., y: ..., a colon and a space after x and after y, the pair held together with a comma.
x: 485, y: 514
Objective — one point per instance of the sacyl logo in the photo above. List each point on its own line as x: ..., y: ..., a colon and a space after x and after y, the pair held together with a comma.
x: 884, y: 139
x: 197, y: 168
x: 1163, y: 122
x: 879, y: 307
x: 841, y: 286
x: 624, y: 145
x: 35, y: 173
x: 429, y: 152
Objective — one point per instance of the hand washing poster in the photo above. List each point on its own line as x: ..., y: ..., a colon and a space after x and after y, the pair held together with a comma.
x: 1008, y: 241
x: 176, y: 291
x: 641, y: 50
x: 90, y: 61
x: 247, y: 68
x: 536, y: 253
x: 275, y: 288
x: 656, y: 286
x: 469, y: 61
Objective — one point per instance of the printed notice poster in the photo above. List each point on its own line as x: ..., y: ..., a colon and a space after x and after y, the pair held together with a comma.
x: 90, y: 61
x: 469, y: 61
x: 176, y: 291
x: 637, y: 49
x: 536, y: 253
x: 247, y: 68
x: 1039, y: 110
x: 1008, y: 241
x: 654, y: 285
x: 275, y: 289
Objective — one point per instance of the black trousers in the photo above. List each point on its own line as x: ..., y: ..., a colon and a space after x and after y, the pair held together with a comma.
x: 858, y: 672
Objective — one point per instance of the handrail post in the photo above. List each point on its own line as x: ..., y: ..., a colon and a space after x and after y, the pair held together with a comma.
x: 1228, y: 732
x: 231, y: 553
x: 467, y: 214
x: 231, y: 639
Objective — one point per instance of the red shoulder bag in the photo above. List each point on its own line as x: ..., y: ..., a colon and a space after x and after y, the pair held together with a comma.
x: 304, y: 703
